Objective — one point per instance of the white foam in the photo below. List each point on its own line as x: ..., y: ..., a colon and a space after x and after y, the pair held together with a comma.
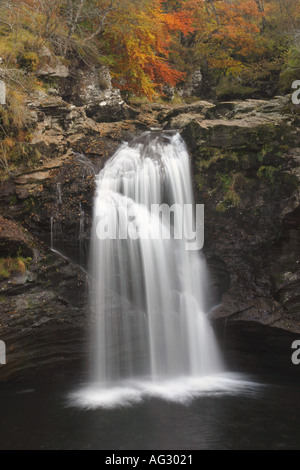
x: 181, y: 390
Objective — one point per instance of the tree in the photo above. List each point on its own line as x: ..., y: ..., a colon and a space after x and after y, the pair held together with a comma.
x: 226, y: 32
x: 140, y: 36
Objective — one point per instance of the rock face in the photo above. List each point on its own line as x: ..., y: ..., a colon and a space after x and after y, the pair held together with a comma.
x: 85, y: 87
x: 43, y: 315
x: 69, y: 149
x: 92, y: 89
x: 53, y: 67
x: 246, y: 169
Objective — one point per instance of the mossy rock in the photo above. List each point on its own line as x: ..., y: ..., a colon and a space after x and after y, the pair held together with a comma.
x: 237, y: 134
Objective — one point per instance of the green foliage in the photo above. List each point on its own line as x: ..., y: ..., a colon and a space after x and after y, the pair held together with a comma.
x: 230, y: 88
x: 16, y: 42
x: 225, y: 181
x: 28, y: 61
x: 10, y: 266
x: 15, y: 131
x: 209, y: 156
x: 290, y: 70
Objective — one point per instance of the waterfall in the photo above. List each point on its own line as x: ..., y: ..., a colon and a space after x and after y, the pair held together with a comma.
x: 52, y: 233
x: 81, y: 234
x: 58, y: 185
x: 148, y: 293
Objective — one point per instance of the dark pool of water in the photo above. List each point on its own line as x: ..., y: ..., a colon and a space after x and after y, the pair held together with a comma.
x: 268, y: 417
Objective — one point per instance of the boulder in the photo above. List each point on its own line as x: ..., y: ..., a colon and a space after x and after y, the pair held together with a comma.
x: 57, y: 71
x: 92, y: 89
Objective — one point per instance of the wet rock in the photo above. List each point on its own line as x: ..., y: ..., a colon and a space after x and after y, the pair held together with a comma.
x: 43, y: 320
x: 219, y: 280
x: 246, y: 169
x: 42, y: 308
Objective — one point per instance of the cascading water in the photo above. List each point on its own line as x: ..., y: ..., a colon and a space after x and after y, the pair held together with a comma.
x: 148, y: 294
x: 81, y: 235
x: 150, y: 333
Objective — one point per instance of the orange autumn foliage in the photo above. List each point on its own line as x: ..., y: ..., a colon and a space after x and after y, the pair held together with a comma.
x: 226, y: 32
x: 140, y: 39
x: 151, y: 43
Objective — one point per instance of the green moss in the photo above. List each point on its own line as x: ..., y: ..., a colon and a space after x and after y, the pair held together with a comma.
x: 229, y: 186
x: 232, y: 199
x: 13, y: 200
x: 200, y: 181
x: 221, y: 207
x: 4, y: 273
x: 29, y: 204
x: 267, y: 172
x: 208, y: 156
x: 225, y: 181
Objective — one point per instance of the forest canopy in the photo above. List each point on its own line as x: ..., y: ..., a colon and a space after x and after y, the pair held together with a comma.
x: 148, y: 44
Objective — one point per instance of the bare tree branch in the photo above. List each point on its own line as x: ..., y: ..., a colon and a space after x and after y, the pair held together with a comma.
x: 104, y: 15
